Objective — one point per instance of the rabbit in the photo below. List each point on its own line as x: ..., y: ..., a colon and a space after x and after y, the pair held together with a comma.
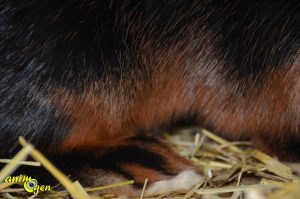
x: 92, y: 83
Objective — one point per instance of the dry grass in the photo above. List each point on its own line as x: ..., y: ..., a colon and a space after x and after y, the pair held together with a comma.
x: 232, y: 170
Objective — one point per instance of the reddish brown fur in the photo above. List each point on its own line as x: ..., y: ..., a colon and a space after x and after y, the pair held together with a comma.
x: 103, y: 117
x: 98, y: 119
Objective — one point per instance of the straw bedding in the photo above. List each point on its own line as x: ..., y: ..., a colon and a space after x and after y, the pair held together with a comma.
x: 232, y: 170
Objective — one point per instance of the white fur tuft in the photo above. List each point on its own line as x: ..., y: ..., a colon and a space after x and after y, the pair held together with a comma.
x: 182, y: 182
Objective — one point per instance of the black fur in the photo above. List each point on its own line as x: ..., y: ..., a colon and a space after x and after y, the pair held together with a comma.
x: 254, y: 37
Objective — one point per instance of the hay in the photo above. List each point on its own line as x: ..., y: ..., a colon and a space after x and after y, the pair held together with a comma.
x: 232, y: 170
x: 235, y: 169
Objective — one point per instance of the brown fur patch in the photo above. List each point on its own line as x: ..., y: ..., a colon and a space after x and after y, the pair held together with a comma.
x: 141, y: 173
x: 98, y: 116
